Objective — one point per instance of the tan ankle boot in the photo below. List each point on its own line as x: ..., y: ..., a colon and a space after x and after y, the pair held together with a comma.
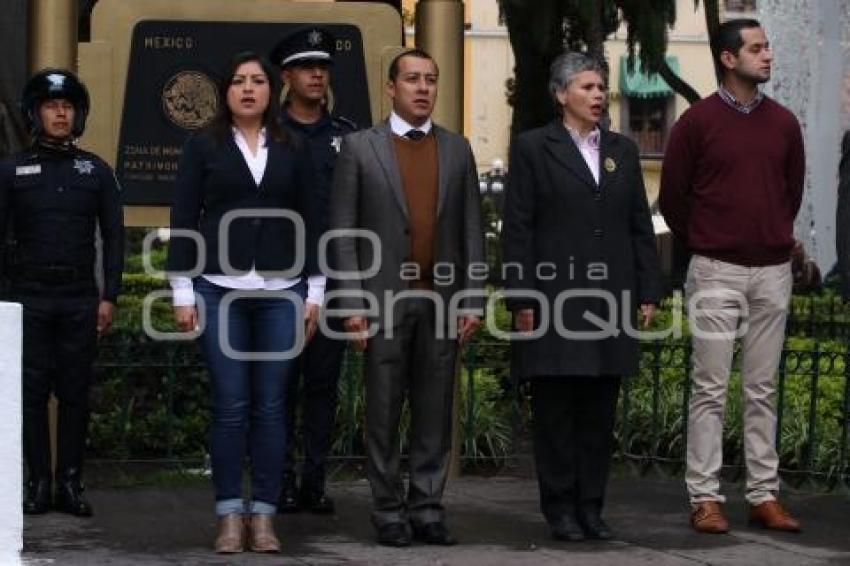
x: 231, y: 534
x: 262, y: 537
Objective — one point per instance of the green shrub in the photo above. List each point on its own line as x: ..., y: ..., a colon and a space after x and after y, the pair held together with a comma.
x: 487, y: 434
x: 144, y: 407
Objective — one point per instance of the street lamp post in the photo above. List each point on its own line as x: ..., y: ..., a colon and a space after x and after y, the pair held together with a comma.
x: 492, y: 186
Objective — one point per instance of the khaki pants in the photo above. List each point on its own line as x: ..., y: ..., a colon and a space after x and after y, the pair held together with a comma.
x: 758, y: 298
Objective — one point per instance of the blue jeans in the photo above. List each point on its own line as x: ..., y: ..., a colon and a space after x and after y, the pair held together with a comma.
x: 248, y: 409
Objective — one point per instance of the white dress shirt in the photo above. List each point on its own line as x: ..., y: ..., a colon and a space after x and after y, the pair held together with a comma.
x: 400, y: 126
x: 588, y: 146
x: 183, y: 292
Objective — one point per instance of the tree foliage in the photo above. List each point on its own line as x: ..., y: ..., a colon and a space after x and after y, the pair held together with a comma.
x: 540, y: 30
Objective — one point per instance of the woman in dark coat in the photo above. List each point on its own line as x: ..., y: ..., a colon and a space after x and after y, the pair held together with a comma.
x: 578, y: 235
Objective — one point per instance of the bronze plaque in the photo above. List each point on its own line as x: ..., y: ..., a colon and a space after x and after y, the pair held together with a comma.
x: 172, y: 90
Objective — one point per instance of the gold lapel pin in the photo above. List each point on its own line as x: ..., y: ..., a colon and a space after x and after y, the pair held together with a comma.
x: 610, y: 165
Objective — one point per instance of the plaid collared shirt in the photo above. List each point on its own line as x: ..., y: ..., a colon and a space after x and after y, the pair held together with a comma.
x: 730, y: 99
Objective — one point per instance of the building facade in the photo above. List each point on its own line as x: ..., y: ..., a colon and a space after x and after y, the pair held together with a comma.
x: 641, y: 107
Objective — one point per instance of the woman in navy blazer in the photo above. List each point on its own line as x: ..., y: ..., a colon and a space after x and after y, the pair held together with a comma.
x: 245, y: 187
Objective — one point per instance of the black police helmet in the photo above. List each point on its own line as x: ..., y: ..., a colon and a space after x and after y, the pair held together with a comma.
x: 49, y: 84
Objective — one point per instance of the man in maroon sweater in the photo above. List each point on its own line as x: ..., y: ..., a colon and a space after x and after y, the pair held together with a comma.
x: 731, y: 186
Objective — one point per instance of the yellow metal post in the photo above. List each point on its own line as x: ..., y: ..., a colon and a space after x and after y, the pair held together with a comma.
x: 439, y: 31
x: 52, y: 34
x: 52, y: 43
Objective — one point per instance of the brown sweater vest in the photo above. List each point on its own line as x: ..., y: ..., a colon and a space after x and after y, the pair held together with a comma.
x: 419, y: 168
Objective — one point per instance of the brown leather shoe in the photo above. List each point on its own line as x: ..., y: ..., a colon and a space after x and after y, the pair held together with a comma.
x: 771, y: 515
x: 231, y: 534
x: 708, y: 517
x: 262, y: 537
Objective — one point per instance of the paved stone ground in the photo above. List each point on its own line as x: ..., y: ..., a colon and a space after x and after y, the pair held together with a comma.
x: 496, y: 519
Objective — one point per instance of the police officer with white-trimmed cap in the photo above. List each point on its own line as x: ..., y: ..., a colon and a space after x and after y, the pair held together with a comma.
x: 305, y: 57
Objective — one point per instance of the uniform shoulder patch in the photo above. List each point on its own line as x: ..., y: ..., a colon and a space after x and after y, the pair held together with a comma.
x: 22, y: 170
x: 344, y: 123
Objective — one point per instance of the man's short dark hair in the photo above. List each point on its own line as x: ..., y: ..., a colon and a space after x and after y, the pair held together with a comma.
x: 392, y: 75
x: 729, y: 39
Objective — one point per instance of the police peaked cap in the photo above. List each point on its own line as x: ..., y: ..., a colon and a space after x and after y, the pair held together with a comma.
x: 307, y: 43
x: 50, y: 84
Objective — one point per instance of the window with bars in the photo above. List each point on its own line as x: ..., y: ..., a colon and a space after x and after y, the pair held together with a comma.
x: 647, y: 123
x: 740, y: 5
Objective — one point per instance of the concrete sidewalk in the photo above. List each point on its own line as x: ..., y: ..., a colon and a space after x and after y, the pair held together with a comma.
x: 496, y: 519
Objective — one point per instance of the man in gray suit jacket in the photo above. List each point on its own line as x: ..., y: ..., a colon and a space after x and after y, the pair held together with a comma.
x: 414, y: 186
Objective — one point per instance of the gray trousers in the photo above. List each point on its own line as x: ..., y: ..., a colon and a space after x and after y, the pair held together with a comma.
x: 758, y: 297
x: 413, y: 363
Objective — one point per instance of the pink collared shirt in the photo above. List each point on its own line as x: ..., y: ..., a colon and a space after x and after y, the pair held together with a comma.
x: 589, y: 149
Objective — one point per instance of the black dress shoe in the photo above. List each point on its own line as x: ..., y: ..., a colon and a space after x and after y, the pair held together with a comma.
x: 69, y: 498
x: 567, y: 529
x: 317, y: 503
x: 433, y: 533
x: 37, y: 497
x: 593, y: 526
x: 288, y: 502
x: 393, y: 534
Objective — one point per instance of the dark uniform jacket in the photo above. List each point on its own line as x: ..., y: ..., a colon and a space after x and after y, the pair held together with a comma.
x: 50, y: 203
x: 324, y: 139
x: 561, y: 227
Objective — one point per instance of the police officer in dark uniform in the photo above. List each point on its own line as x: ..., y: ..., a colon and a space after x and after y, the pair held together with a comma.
x: 52, y: 197
x: 305, y: 57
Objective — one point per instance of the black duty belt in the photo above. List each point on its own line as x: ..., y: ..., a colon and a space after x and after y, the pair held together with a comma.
x: 52, y: 274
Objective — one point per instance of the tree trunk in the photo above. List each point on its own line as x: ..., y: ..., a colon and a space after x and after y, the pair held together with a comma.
x: 678, y: 84
x: 712, y: 24
x: 536, y: 39
x: 595, y: 38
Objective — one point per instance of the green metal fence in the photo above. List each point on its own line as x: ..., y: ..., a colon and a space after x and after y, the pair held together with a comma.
x: 150, y: 398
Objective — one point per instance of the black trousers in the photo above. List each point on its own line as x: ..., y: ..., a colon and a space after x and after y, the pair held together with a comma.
x: 573, y: 440
x: 320, y: 367
x: 415, y: 364
x: 60, y: 344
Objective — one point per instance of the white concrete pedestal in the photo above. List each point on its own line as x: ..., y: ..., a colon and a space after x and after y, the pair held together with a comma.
x: 11, y: 464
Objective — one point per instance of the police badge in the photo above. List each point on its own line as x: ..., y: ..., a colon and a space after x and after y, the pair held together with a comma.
x: 83, y: 166
x: 314, y: 38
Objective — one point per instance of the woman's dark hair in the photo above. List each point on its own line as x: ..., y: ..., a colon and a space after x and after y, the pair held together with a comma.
x: 223, y: 122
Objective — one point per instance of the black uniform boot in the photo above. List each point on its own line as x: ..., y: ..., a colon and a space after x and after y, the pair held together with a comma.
x: 312, y: 496
x: 37, y: 496
x: 288, y: 502
x: 69, y: 496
